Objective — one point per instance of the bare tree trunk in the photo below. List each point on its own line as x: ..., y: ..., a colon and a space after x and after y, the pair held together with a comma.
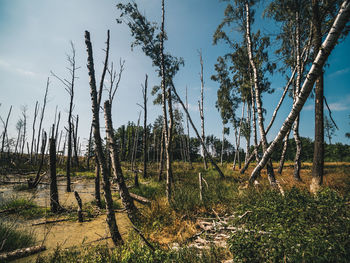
x: 89, y: 147
x: 238, y: 141
x: 188, y: 135
x: 249, y: 127
x: 145, y: 128
x: 33, y: 135
x: 201, y: 109
x: 313, y: 74
x: 161, y: 156
x: 136, y: 140
x: 297, y: 161
x: 284, y: 152
x: 97, y: 183
x: 75, y: 143
x: 31, y: 183
x: 42, y: 115
x: 270, y: 171
x: 117, y: 170
x: 5, y: 130
x: 54, y: 202
x: 198, y: 136
x: 318, y: 158
x: 111, y: 220
x: 24, y: 114
x: 223, y: 143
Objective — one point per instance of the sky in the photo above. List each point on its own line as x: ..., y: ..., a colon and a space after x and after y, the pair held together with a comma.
x: 35, y: 39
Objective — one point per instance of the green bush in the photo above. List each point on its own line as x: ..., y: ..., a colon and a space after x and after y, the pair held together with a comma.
x: 296, y: 228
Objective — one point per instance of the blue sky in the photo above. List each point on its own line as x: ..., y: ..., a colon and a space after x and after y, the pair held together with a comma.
x: 36, y: 35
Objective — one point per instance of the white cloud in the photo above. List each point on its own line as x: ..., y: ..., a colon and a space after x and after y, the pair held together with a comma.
x: 24, y: 72
x: 340, y: 72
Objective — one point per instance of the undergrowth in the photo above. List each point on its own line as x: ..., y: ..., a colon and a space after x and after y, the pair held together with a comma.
x: 299, y: 227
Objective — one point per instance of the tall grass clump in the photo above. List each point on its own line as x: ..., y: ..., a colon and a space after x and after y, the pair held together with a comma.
x: 11, y: 239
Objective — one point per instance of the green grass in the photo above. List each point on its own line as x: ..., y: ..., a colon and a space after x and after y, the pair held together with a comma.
x: 133, y: 252
x: 23, y: 207
x: 299, y: 227
x: 11, y: 239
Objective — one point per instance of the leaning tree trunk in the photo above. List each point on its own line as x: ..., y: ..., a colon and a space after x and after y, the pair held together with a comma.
x: 270, y: 171
x: 197, y: 134
x: 284, y: 153
x: 315, y: 71
x: 42, y: 116
x: 188, y: 135
x: 111, y: 220
x: 117, y: 170
x: 297, y: 161
x: 318, y: 159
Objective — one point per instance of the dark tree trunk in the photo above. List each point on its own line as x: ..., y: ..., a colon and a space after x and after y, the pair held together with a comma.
x: 97, y: 183
x: 318, y: 159
x: 145, y: 129
x: 117, y: 170
x: 54, y: 202
x: 111, y: 220
x: 33, y: 135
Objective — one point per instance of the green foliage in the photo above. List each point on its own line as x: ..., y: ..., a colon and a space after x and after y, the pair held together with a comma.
x: 296, y: 228
x: 133, y: 252
x: 23, y: 207
x: 11, y: 239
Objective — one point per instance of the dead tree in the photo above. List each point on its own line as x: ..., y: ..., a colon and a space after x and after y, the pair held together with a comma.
x: 54, y: 202
x: 136, y: 142
x: 201, y: 109
x: 144, y: 107
x: 117, y: 170
x: 75, y: 141
x: 31, y: 183
x: 198, y: 136
x: 69, y: 87
x: 24, y: 116
x: 42, y: 117
x: 33, y: 128
x: 188, y: 135
x: 111, y: 220
x: 80, y: 206
x: 4, y: 134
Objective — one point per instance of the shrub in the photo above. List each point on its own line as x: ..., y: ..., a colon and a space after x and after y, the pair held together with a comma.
x: 296, y: 228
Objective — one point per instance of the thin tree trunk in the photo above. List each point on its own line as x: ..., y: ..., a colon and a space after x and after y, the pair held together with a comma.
x: 297, y: 161
x: 134, y: 149
x: 248, y: 138
x: 33, y: 184
x: 238, y: 142
x: 117, y: 170
x: 75, y: 143
x: 24, y: 110
x: 111, y: 220
x: 223, y: 143
x: 5, y: 130
x: 33, y: 135
x: 270, y: 171
x: 42, y: 115
x: 198, y: 136
x: 313, y: 74
x: 284, y: 153
x: 201, y: 109
x: 54, y: 202
x: 188, y: 135
x: 161, y: 156
x: 145, y: 129
x: 97, y: 183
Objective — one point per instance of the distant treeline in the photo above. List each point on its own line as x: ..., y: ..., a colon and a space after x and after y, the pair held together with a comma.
x: 127, y: 134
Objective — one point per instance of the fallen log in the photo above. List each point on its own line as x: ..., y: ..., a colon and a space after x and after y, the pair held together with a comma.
x: 140, y: 199
x: 50, y: 222
x: 20, y: 253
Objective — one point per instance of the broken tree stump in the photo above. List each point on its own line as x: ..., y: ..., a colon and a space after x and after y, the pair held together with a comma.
x: 80, y: 206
